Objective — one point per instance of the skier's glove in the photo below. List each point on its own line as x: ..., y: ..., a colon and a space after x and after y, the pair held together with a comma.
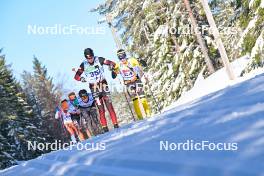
x: 111, y: 67
x: 134, y: 79
x: 83, y: 79
x: 114, y: 75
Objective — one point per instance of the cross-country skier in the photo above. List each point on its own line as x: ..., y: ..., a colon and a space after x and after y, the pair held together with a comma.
x: 89, y: 119
x: 93, y: 72
x: 75, y: 114
x: 66, y: 117
x: 61, y: 125
x: 131, y: 71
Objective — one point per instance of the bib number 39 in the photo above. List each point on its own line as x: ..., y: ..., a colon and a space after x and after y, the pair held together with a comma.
x: 95, y: 73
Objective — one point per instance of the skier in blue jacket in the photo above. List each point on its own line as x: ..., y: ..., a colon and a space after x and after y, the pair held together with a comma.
x: 89, y: 118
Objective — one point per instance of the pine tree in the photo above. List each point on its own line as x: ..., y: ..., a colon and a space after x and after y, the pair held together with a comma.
x: 252, y: 40
x: 44, y: 96
x: 248, y: 19
x: 17, y: 126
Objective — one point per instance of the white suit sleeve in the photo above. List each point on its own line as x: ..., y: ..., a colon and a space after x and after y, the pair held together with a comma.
x: 57, y: 115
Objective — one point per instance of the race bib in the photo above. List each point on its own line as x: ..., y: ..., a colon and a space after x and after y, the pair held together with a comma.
x: 67, y: 118
x: 127, y: 74
x: 94, y: 73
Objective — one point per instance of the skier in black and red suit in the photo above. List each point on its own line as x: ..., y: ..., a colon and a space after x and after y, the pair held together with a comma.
x: 93, y: 71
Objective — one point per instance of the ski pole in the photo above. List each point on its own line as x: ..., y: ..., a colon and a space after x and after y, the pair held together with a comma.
x: 141, y: 107
x: 132, y: 114
x: 143, y: 63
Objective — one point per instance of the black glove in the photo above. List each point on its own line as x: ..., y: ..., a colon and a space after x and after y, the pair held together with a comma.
x: 83, y: 79
x: 111, y: 67
x: 114, y: 75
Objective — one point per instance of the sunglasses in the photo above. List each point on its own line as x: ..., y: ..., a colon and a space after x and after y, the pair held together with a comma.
x: 89, y: 57
x: 121, y: 56
x: 84, y: 97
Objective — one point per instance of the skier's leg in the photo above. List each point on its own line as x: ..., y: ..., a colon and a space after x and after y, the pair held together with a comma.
x: 76, y: 122
x: 73, y: 139
x: 81, y: 135
x: 89, y: 134
x: 141, y: 93
x: 111, y: 110
x: 95, y: 125
x: 100, y: 106
x: 84, y: 121
x: 132, y: 90
x: 146, y: 106
x: 78, y: 130
x: 143, y: 104
x: 137, y: 108
x: 70, y: 129
x: 87, y: 118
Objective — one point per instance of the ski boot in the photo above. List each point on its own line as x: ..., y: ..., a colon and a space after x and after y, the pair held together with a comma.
x: 116, y: 126
x: 105, y: 129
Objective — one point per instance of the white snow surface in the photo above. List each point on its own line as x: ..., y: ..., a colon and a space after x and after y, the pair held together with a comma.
x: 216, y: 110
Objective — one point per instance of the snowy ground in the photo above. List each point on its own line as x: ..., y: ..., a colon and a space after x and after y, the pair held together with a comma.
x: 233, y: 114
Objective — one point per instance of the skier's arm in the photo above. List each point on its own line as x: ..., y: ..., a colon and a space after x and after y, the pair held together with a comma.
x: 113, y: 66
x: 115, y: 71
x: 57, y: 116
x: 137, y: 68
x: 58, y: 113
x: 107, y: 62
x: 76, y: 111
x: 79, y: 73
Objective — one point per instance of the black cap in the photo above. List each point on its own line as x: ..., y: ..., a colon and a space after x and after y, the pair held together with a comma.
x: 88, y: 51
x: 83, y: 93
x: 121, y: 54
x: 120, y: 51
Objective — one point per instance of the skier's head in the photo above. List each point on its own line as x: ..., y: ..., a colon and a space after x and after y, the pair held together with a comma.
x: 64, y: 105
x: 121, y: 54
x: 71, y: 96
x: 89, y: 55
x: 83, y: 95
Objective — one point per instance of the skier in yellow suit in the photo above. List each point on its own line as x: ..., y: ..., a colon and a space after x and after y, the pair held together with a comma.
x: 131, y: 71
